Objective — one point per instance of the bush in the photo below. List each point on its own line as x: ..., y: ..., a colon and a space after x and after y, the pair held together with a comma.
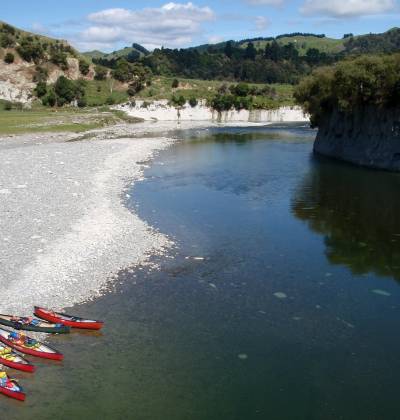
x: 5, y: 27
x: 110, y: 100
x: 59, y: 58
x: 178, y: 101
x: 6, y: 41
x: 193, y: 102
x: 84, y: 67
x: 101, y: 73
x: 9, y: 58
x: 67, y: 91
x: 41, y: 89
x: 8, y: 106
x: 30, y: 51
x: 50, y: 99
x: 175, y: 83
x: 41, y: 74
x: 82, y: 103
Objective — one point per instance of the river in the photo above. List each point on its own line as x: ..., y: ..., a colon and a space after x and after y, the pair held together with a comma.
x: 279, y: 300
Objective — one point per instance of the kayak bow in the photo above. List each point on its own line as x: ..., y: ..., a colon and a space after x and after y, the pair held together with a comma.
x: 32, y: 324
x: 27, y: 345
x: 12, y: 359
x: 10, y: 387
x: 68, y: 320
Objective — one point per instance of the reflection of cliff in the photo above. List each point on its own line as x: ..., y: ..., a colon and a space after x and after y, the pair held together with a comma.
x: 358, y: 211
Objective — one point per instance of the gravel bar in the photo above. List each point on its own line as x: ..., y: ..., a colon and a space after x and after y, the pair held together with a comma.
x: 64, y: 230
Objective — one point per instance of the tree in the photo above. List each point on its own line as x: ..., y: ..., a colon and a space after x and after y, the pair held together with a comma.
x: 101, y: 73
x: 228, y: 50
x: 175, y: 84
x: 84, y: 67
x: 193, y: 102
x: 41, y: 89
x: 251, y: 51
x: 67, y: 91
x: 9, y: 58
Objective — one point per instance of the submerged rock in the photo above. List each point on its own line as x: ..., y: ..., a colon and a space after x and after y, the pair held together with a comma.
x: 280, y: 295
x: 381, y: 292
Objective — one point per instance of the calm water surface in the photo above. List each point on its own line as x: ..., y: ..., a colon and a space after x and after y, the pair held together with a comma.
x: 281, y: 300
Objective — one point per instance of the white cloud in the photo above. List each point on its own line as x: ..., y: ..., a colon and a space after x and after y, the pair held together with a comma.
x: 266, y: 2
x: 347, y: 8
x: 261, y: 23
x: 215, y: 39
x: 173, y: 25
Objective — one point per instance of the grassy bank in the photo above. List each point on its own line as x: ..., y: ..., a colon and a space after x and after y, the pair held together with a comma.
x: 161, y: 88
x: 40, y: 120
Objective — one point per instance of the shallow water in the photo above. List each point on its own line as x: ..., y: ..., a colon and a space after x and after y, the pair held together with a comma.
x: 281, y: 301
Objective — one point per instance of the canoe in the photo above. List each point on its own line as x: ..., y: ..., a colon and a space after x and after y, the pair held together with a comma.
x: 68, y: 320
x: 10, y: 387
x: 19, y: 341
x: 12, y: 359
x: 32, y: 324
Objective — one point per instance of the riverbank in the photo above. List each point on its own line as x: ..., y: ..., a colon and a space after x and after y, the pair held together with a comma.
x: 161, y: 110
x: 64, y: 230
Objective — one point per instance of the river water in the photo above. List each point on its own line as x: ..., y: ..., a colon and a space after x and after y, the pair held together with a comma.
x: 280, y: 299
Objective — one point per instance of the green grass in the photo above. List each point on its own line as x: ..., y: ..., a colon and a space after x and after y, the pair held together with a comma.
x: 41, y: 120
x: 303, y: 43
x: 206, y: 89
x: 98, y: 92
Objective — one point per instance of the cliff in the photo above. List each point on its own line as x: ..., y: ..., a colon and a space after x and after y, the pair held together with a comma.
x: 162, y: 111
x: 368, y: 136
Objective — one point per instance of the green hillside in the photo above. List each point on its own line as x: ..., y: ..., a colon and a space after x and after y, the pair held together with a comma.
x: 304, y: 43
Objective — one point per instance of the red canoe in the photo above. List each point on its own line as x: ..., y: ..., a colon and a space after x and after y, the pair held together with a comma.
x: 10, y: 387
x: 27, y: 345
x: 68, y: 320
x: 10, y: 358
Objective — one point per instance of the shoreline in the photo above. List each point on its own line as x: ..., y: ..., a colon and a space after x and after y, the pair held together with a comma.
x: 65, y: 231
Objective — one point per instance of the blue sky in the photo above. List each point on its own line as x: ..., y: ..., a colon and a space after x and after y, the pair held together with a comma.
x: 108, y: 25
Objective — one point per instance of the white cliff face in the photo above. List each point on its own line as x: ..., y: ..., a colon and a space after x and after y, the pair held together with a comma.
x: 161, y: 111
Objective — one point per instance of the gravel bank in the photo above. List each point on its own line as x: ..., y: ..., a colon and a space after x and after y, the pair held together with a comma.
x: 64, y: 231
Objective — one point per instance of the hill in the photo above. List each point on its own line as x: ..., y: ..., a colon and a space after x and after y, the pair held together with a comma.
x: 131, y: 54
x: 27, y: 59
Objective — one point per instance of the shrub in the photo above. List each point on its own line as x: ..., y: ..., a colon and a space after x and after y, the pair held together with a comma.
x: 41, y: 74
x: 41, y: 89
x: 101, y: 73
x: 110, y: 100
x: 50, y: 99
x: 9, y: 58
x: 59, y: 58
x: 30, y: 51
x: 82, y: 102
x: 193, y: 102
x: 7, y: 28
x: 8, y: 106
x: 6, y: 41
x: 67, y: 91
x: 178, y: 100
x: 175, y: 83
x: 84, y: 67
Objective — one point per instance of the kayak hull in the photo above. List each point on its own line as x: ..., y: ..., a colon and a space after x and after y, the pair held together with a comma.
x: 24, y: 367
x: 55, y: 355
x: 57, y: 318
x: 63, y: 329
x: 20, y: 396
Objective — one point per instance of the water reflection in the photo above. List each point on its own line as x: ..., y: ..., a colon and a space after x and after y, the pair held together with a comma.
x: 358, y: 212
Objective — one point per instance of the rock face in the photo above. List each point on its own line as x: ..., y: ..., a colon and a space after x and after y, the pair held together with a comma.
x: 161, y: 111
x: 368, y: 137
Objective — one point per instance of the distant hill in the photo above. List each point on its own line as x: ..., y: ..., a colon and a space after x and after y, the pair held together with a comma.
x: 386, y: 42
x: 302, y: 42
x: 133, y: 53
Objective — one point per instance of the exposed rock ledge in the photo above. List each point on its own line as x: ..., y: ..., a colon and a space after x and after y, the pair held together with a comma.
x: 368, y: 137
x: 161, y: 111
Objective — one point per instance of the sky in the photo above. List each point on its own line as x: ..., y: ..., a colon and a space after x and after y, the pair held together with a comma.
x: 108, y: 25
